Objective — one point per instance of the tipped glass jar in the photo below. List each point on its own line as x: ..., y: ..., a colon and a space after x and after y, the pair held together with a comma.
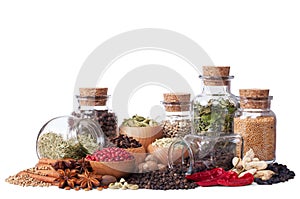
x: 69, y: 137
x: 256, y: 122
x: 93, y: 104
x: 213, y: 110
x: 178, y: 119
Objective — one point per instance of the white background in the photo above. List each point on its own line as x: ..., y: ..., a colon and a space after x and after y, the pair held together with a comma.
x: 43, y: 45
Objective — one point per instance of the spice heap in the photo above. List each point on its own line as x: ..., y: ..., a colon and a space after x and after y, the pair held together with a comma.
x: 256, y: 123
x: 55, y: 146
x: 139, y: 121
x: 150, y: 163
x: 111, y: 154
x: 245, y: 171
x: 178, y: 121
x: 163, y: 179
x: 65, y: 173
x: 125, y: 142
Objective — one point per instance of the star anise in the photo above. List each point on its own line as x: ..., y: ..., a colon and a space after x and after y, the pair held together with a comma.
x: 88, y: 180
x: 83, y: 165
x: 67, y: 178
x: 64, y: 164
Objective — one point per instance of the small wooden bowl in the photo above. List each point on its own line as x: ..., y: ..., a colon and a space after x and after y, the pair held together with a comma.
x: 161, y: 153
x: 145, y: 135
x: 138, y: 153
x: 117, y: 169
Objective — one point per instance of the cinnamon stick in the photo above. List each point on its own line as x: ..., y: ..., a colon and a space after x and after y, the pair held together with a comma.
x: 47, y: 179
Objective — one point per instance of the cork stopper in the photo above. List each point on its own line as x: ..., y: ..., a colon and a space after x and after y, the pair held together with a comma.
x: 254, y: 93
x: 176, y: 102
x: 255, y: 98
x: 92, y: 92
x: 176, y: 97
x: 216, y: 71
x: 216, y: 75
x: 92, y: 96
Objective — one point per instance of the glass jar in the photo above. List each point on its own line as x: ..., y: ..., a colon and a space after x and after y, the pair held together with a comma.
x: 213, y: 110
x: 256, y: 123
x: 206, y: 152
x: 178, y: 119
x: 94, y: 104
x: 69, y: 137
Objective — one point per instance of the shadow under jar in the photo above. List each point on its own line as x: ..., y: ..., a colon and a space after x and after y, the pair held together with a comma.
x: 93, y: 104
x: 256, y: 122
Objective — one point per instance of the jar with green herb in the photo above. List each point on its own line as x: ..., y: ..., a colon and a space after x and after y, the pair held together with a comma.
x: 69, y: 137
x: 213, y: 110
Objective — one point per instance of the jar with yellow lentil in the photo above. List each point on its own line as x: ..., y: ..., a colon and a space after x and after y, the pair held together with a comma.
x: 256, y: 123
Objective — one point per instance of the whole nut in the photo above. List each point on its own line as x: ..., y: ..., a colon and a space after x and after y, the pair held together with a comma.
x: 107, y: 179
x: 152, y: 165
x: 150, y: 158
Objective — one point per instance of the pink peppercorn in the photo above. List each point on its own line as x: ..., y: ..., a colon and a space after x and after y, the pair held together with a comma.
x: 111, y: 154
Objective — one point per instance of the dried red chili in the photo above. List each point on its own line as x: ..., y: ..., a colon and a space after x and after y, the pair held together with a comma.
x: 246, y: 179
x: 219, y: 176
x: 206, y: 175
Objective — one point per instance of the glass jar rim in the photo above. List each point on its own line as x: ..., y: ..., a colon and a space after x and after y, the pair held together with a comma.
x: 92, y: 97
x: 216, y: 77
x: 255, y: 98
x: 176, y: 103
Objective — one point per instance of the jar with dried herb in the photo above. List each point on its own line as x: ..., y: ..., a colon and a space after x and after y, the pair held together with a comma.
x: 69, y: 137
x: 256, y: 123
x: 213, y: 110
x: 93, y: 103
x: 178, y: 119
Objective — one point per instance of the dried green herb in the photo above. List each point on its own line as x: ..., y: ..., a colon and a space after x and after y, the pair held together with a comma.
x: 139, y: 121
x: 54, y: 146
x: 216, y: 116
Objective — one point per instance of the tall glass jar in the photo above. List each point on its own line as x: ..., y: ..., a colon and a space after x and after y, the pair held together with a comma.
x: 93, y: 103
x: 213, y: 110
x: 178, y: 119
x: 256, y: 123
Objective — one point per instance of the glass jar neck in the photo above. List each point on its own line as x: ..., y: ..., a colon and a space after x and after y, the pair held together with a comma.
x: 215, y: 85
x: 217, y: 89
x: 255, y: 104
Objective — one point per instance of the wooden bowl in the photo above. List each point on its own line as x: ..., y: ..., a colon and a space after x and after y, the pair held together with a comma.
x: 118, y: 169
x: 145, y: 135
x: 161, y: 153
x: 138, y: 153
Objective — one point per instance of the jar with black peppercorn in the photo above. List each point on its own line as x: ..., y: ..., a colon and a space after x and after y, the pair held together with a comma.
x: 177, y: 109
x: 93, y: 103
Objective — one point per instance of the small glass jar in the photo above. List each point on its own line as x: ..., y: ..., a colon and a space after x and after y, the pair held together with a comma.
x: 93, y: 104
x: 69, y: 137
x: 213, y: 110
x: 206, y: 152
x: 256, y: 123
x: 178, y: 119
